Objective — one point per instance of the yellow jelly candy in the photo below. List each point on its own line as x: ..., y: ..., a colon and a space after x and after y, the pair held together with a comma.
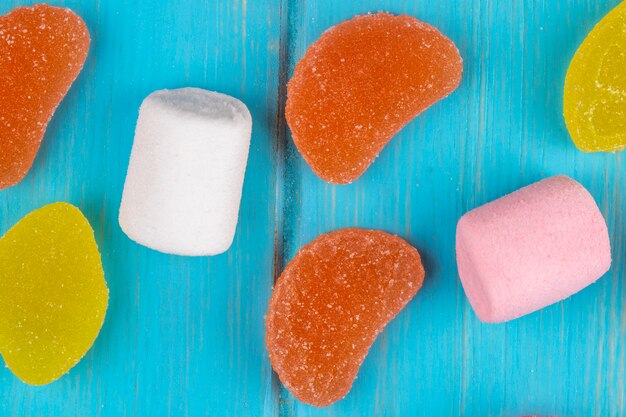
x: 53, y: 297
x: 594, y: 102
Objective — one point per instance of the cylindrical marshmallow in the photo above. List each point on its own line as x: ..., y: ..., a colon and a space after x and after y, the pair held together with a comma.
x: 531, y: 248
x: 185, y: 176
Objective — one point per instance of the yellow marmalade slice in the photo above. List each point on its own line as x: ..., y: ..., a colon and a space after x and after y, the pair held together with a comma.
x: 594, y: 102
x: 53, y: 297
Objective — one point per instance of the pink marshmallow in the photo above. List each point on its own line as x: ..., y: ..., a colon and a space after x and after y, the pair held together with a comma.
x: 531, y: 248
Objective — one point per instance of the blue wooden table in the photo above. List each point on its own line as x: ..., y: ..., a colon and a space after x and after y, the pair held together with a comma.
x: 185, y: 336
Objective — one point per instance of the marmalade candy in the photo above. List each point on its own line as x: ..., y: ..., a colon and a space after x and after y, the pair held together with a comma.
x: 42, y: 50
x: 594, y: 102
x: 53, y: 297
x: 360, y: 83
x: 330, y: 304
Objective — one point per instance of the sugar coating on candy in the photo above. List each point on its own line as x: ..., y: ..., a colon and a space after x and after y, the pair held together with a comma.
x: 42, y: 50
x: 532, y: 248
x: 185, y: 177
x: 595, y: 87
x: 360, y: 83
x: 53, y: 297
x: 329, y: 305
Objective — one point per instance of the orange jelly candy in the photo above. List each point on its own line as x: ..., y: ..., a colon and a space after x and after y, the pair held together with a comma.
x: 42, y: 50
x: 330, y: 304
x: 362, y: 82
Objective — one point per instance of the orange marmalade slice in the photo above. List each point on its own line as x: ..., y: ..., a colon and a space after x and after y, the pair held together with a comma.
x: 362, y: 82
x: 330, y: 304
x: 42, y: 50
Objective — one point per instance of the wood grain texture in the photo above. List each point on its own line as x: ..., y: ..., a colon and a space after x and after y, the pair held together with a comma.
x: 185, y: 336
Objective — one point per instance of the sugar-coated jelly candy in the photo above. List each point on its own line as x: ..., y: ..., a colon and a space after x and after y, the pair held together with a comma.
x: 42, y: 50
x: 594, y: 102
x: 531, y: 248
x: 360, y: 83
x: 331, y: 302
x: 53, y: 297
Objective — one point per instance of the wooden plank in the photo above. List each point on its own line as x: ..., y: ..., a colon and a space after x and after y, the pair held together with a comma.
x: 500, y: 130
x: 183, y: 336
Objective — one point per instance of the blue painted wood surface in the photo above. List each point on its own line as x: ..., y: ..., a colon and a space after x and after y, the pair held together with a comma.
x: 185, y: 336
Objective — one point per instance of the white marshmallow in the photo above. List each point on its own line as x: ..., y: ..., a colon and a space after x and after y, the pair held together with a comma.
x: 185, y: 177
